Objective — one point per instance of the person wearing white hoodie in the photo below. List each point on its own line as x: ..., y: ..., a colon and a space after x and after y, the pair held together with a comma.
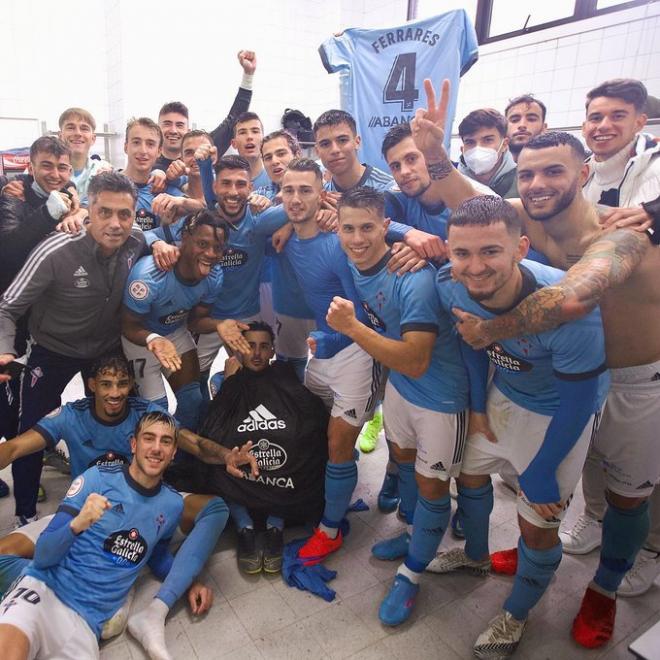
x: 624, y: 171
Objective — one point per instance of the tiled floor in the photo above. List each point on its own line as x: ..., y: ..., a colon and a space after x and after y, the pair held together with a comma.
x: 261, y: 617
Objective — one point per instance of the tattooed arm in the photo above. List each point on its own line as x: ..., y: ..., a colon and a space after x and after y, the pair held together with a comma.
x: 607, y: 262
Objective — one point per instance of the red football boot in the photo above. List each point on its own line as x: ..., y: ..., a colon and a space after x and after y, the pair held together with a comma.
x: 504, y: 562
x: 318, y: 547
x: 594, y: 623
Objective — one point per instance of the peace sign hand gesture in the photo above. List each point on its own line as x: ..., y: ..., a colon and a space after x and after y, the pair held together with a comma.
x: 428, y: 126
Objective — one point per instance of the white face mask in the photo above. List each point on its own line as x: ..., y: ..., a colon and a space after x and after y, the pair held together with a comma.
x: 481, y: 159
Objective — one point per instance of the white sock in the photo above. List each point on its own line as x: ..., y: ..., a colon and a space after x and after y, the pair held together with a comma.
x: 411, y: 575
x: 148, y: 627
x: 330, y: 532
x: 600, y: 590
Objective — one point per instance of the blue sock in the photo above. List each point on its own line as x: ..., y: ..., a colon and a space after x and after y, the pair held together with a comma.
x: 188, y: 405
x: 624, y: 533
x: 240, y: 516
x: 407, y: 490
x: 275, y: 521
x: 11, y: 567
x: 194, y: 551
x: 474, y: 507
x: 535, y: 570
x: 431, y: 520
x: 340, y: 482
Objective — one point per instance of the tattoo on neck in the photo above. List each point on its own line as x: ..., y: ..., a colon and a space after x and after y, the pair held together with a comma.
x: 439, y: 170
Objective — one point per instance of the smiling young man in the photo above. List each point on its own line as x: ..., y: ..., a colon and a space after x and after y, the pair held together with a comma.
x: 142, y: 145
x: 73, y: 287
x: 161, y: 306
x: 77, y: 130
x: 525, y: 118
x: 91, y: 553
x: 542, y: 407
x: 427, y: 391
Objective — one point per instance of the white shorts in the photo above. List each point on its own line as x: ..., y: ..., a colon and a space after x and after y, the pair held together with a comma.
x: 33, y: 530
x: 147, y: 369
x: 628, y: 440
x: 210, y: 343
x: 53, y: 629
x: 291, y: 335
x: 438, y: 437
x: 347, y: 382
x: 520, y: 433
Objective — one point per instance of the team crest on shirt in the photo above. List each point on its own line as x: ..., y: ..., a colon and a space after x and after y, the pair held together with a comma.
x: 233, y: 257
x: 75, y: 486
x: 36, y: 374
x: 126, y: 548
x: 138, y: 290
x: 500, y: 358
x: 160, y: 521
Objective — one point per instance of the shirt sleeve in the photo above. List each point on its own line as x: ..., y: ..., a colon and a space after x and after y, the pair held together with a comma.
x: 223, y: 133
x: 419, y: 304
x: 139, y: 293
x: 470, y: 46
x: 81, y: 487
x: 270, y: 220
x: 337, y: 52
x: 54, y: 542
x: 53, y: 426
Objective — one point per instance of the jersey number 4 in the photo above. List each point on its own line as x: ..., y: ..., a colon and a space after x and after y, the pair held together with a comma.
x: 400, y: 85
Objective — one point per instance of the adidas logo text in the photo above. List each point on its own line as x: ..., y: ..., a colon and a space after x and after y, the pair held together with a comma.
x: 261, y: 419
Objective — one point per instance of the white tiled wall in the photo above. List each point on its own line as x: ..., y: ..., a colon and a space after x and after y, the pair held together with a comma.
x: 120, y: 58
x: 561, y: 64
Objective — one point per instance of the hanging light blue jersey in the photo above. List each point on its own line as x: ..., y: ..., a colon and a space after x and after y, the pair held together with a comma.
x: 102, y: 563
x: 163, y: 299
x: 525, y: 367
x: 321, y: 268
x: 90, y: 440
x: 241, y: 263
x: 145, y: 219
x: 386, y: 69
x: 396, y: 304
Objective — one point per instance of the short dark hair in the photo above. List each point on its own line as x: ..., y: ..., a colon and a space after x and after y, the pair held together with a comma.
x: 174, y: 106
x: 146, y: 122
x: 206, y: 217
x: 395, y: 135
x: 483, y: 118
x: 247, y: 116
x: 363, y: 198
x: 261, y: 326
x: 334, y: 118
x: 196, y: 132
x: 483, y: 211
x: 115, y: 182
x: 630, y: 90
x: 111, y: 362
x: 557, y: 139
x: 305, y: 165
x: 49, y: 144
x: 232, y: 162
x: 528, y: 99
x: 291, y: 140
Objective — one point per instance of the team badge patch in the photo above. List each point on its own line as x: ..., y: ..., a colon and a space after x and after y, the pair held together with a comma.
x: 138, y: 290
x: 76, y: 486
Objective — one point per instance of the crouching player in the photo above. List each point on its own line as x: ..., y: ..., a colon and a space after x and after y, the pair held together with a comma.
x: 426, y: 394
x: 542, y: 408
x: 113, y: 520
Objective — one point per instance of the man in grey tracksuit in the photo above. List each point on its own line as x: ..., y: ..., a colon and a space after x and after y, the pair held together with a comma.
x: 73, y: 287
